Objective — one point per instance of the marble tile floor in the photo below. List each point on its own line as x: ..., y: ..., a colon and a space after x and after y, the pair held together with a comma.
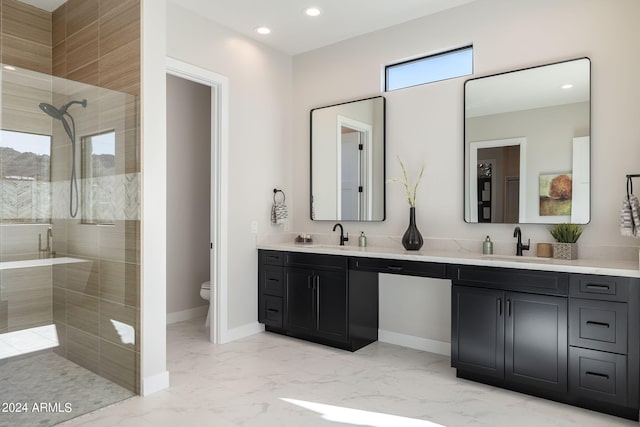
x: 271, y: 380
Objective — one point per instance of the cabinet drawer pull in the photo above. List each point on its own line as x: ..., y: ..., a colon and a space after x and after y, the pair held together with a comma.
x: 601, y: 324
x: 394, y: 268
x: 596, y: 374
x: 273, y: 280
x: 597, y: 286
x: 272, y: 310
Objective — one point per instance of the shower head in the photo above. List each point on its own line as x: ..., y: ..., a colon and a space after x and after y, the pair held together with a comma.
x: 51, y: 111
x: 58, y: 113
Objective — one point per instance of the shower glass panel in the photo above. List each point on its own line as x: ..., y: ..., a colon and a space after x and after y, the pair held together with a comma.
x: 69, y: 277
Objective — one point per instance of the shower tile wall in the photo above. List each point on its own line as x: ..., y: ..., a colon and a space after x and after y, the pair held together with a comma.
x: 95, y: 305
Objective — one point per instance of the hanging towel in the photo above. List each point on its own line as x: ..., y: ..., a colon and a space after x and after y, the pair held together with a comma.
x: 630, y: 213
x: 279, y: 212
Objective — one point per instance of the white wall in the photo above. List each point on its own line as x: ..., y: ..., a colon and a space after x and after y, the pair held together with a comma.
x: 188, y: 192
x: 259, y: 139
x: 425, y: 123
x: 153, y: 350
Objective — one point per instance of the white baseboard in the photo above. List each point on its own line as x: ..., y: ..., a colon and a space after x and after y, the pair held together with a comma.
x: 154, y: 383
x: 241, y: 332
x: 417, y: 343
x: 192, y: 313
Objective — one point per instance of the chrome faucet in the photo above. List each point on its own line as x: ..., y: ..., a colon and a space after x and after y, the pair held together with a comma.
x: 519, y: 246
x: 343, y: 238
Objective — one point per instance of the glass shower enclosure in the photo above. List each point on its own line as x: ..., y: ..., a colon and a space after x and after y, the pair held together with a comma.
x: 69, y: 246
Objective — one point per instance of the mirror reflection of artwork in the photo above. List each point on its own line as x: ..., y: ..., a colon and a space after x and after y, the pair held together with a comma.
x: 545, y: 110
x: 555, y: 194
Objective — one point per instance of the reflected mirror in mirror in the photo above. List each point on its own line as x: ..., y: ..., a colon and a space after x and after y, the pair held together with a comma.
x: 527, y: 145
x: 347, y: 161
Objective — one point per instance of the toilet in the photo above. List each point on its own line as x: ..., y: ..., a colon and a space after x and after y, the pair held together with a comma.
x: 205, y: 293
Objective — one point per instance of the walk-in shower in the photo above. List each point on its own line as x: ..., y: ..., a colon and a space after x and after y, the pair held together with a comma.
x: 59, y: 114
x: 69, y: 317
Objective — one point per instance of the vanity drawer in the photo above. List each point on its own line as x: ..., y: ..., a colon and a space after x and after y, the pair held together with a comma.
x: 411, y: 268
x: 598, y: 375
x: 272, y: 311
x: 600, y: 325
x: 315, y: 261
x: 271, y: 257
x: 272, y: 280
x: 510, y: 279
x: 608, y: 288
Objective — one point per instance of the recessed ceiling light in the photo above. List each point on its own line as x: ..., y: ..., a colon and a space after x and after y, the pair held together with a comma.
x: 567, y: 86
x: 263, y: 30
x: 312, y: 11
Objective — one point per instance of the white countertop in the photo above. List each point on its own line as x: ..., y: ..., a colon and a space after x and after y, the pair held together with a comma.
x: 606, y: 267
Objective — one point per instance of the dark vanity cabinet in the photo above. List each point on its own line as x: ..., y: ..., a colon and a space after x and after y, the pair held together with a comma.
x: 604, y: 349
x: 507, y: 337
x: 568, y: 337
x: 317, y: 298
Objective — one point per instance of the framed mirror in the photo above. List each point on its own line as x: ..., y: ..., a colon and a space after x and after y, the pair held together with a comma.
x: 348, y: 161
x: 527, y: 145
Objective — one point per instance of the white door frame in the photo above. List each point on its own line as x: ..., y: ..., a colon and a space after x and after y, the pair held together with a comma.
x: 473, y: 172
x: 219, y: 189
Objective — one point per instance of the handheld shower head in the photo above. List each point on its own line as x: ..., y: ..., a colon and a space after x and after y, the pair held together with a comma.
x: 70, y: 129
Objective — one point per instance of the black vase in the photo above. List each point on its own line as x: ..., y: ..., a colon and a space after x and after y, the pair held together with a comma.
x: 412, y: 239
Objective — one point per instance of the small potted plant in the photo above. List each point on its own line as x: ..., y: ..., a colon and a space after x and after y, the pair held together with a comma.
x: 566, y: 236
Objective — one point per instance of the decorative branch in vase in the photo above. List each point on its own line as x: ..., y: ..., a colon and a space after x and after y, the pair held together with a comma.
x: 412, y: 239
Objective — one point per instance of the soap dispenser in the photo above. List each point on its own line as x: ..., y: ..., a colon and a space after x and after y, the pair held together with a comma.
x: 362, y: 240
x: 487, y: 246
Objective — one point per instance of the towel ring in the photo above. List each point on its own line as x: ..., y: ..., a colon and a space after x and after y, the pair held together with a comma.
x: 275, y: 193
x: 630, y: 183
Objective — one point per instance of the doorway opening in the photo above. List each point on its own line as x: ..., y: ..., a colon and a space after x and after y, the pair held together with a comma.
x: 218, y: 89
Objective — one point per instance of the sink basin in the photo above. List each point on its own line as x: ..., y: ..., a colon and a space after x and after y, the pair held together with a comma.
x: 531, y: 259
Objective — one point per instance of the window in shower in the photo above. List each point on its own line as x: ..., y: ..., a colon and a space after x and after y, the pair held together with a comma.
x: 25, y: 177
x: 99, y: 184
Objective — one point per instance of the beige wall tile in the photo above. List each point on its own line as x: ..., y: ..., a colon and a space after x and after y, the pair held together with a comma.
x: 83, y: 240
x: 58, y: 25
x: 82, y: 312
x: 4, y: 316
x: 82, y: 47
x: 84, y: 277
x: 119, y: 24
x: 83, y: 349
x: 59, y: 60
x: 80, y: 13
x: 119, y: 282
x: 89, y: 74
x: 61, y: 330
x: 119, y: 324
x: 26, y: 54
x: 120, y: 68
x: 26, y: 22
x: 119, y: 365
x: 29, y: 308
x: 59, y: 305
x: 121, y: 242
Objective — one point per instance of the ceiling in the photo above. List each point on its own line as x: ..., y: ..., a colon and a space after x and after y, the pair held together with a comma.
x: 293, y: 32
